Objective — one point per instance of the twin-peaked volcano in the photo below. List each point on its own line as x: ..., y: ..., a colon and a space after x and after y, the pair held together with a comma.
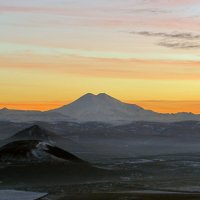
x: 98, y: 108
x: 102, y: 108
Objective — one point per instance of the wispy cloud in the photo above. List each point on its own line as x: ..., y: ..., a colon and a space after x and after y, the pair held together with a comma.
x: 179, y: 45
x: 124, y: 68
x: 151, y: 11
x: 169, y: 35
x: 179, y: 40
x: 171, y: 3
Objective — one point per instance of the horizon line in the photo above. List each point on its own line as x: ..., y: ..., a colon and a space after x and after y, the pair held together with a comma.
x: 163, y: 106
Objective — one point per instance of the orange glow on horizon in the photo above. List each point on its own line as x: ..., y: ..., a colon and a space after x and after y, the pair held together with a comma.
x: 52, y: 51
x: 171, y: 106
x: 41, y: 106
x: 157, y: 106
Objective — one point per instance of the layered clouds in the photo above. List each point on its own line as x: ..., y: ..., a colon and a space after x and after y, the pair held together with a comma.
x: 134, y: 43
x: 177, y: 40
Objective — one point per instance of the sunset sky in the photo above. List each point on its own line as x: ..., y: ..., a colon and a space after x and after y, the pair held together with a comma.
x: 139, y: 51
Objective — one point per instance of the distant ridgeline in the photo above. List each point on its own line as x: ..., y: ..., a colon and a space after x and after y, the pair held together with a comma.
x: 95, y: 108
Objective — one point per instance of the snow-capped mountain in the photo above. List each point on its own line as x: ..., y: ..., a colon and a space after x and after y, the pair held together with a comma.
x: 96, y: 108
x: 104, y: 108
x: 35, y: 151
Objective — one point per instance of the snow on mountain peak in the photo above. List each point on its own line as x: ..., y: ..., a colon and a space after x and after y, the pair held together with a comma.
x: 100, y: 107
x: 96, y: 107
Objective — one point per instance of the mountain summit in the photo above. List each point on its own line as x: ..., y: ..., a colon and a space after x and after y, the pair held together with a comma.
x: 102, y: 108
x: 34, y: 132
x: 35, y: 151
x: 96, y: 108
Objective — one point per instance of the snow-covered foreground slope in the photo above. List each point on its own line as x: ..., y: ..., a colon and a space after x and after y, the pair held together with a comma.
x: 20, y: 195
x: 35, y: 151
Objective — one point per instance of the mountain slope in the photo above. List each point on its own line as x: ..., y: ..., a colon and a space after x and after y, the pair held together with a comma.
x: 37, y: 132
x: 34, y: 132
x: 96, y: 108
x: 35, y: 151
x: 104, y: 108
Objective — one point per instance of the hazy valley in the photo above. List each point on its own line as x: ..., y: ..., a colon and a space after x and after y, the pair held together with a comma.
x: 142, y: 158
